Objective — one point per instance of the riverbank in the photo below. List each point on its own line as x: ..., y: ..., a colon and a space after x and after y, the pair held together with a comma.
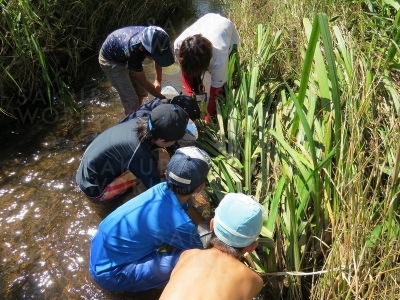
x: 313, y: 133
x: 46, y: 222
x: 43, y: 45
x: 321, y: 153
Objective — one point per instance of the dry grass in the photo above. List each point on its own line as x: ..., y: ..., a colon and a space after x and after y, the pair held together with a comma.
x: 358, y: 212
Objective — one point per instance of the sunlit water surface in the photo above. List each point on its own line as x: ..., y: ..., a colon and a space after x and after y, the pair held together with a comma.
x: 46, y: 222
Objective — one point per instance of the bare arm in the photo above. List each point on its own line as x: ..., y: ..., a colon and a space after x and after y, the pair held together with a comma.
x: 147, y: 85
x: 256, y: 287
x: 157, y: 81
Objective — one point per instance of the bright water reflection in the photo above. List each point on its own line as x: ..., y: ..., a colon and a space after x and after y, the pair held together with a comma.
x: 46, y: 222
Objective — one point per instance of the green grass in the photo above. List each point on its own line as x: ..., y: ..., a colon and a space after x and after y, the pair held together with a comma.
x: 43, y: 43
x: 312, y: 131
x: 309, y: 126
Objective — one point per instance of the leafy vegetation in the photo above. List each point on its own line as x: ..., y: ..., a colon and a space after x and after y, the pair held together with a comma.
x: 309, y: 125
x: 311, y: 129
x: 43, y: 43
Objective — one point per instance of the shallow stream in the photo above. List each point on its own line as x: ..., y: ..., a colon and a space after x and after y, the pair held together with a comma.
x: 46, y: 223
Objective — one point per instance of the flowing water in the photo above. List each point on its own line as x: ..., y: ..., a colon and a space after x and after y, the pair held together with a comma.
x: 46, y: 222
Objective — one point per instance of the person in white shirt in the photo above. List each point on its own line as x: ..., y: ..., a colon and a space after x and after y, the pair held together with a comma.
x: 206, y: 46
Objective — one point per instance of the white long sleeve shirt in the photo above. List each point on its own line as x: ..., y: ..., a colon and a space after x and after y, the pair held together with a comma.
x: 223, y: 35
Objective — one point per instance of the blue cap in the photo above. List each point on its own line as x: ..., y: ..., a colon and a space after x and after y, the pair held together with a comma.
x: 238, y: 220
x: 188, y: 168
x: 156, y: 41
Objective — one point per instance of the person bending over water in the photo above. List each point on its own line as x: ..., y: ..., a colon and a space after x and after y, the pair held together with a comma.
x: 206, y: 46
x: 217, y: 273
x: 122, y: 154
x: 121, y: 57
x: 128, y: 252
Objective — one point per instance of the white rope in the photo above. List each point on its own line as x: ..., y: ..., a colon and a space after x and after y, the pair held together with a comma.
x: 296, y: 273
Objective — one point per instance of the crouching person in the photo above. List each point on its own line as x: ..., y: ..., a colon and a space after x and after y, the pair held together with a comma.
x: 217, y: 271
x: 123, y: 154
x: 125, y: 252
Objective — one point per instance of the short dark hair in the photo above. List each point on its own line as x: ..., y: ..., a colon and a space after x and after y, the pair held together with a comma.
x: 142, y: 129
x: 221, y: 246
x: 195, y: 55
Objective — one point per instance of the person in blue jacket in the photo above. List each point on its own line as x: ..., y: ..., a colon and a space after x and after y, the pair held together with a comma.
x: 124, y: 253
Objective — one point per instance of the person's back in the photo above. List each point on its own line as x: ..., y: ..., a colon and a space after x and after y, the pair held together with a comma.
x: 217, y: 273
x: 127, y: 147
x: 137, y: 245
x: 211, y: 274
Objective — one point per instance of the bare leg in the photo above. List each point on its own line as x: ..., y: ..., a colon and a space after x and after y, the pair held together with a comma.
x: 141, y: 101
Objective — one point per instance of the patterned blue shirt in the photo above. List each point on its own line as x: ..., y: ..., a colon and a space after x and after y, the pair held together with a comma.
x: 122, y: 45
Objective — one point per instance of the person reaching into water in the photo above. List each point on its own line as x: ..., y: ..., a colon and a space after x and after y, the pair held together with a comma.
x: 187, y: 103
x: 217, y: 271
x: 121, y: 57
x: 128, y: 251
x: 206, y: 46
x: 123, y: 154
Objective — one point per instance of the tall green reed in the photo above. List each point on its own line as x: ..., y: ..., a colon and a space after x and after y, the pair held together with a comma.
x: 44, y: 43
x: 238, y: 143
x: 239, y: 135
x: 331, y: 140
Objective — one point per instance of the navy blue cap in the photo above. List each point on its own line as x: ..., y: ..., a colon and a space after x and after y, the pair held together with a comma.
x: 168, y: 122
x: 188, y: 168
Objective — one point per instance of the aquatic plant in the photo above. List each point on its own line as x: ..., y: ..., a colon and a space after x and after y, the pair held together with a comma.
x: 318, y: 145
